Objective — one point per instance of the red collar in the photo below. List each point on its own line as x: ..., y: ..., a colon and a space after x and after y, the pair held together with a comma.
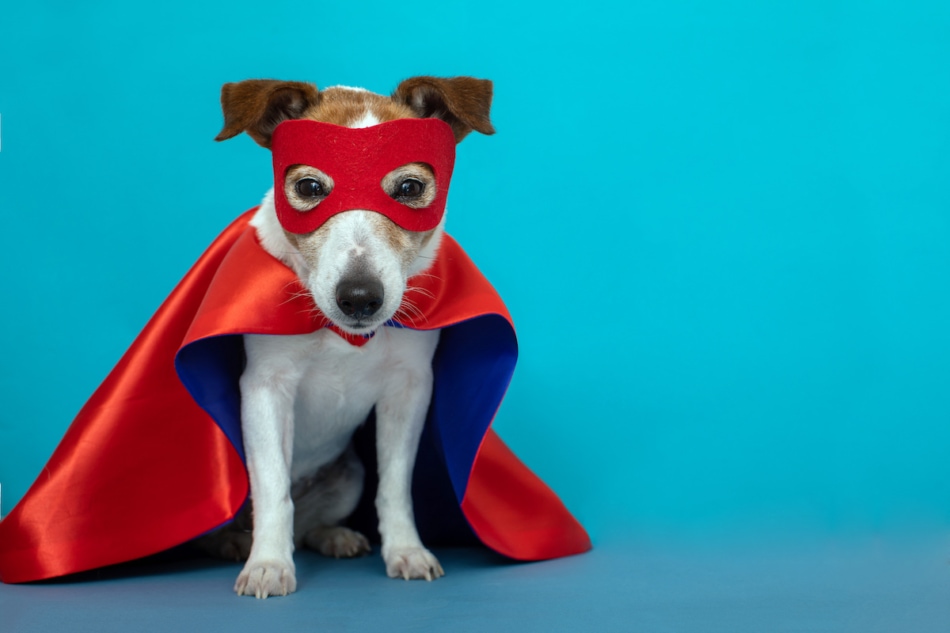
x: 359, y: 340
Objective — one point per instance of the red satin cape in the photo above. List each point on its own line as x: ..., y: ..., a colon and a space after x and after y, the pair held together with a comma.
x: 144, y: 468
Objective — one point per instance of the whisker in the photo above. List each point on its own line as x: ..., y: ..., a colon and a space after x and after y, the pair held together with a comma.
x: 423, y: 291
x: 413, y: 308
x: 410, y: 311
x: 429, y: 275
x: 294, y: 291
x: 315, y: 312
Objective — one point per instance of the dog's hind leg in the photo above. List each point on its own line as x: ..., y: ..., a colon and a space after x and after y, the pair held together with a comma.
x: 231, y: 542
x: 321, y: 502
x: 337, y: 542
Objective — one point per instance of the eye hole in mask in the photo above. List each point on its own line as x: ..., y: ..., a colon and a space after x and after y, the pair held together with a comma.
x: 305, y: 187
x: 412, y: 185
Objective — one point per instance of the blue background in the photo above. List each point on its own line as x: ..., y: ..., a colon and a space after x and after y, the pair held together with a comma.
x: 722, y: 228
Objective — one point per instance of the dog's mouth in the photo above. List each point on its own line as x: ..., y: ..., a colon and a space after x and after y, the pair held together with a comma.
x: 357, y: 327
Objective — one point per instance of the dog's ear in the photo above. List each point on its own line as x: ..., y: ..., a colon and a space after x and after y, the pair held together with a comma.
x: 462, y: 102
x: 256, y: 106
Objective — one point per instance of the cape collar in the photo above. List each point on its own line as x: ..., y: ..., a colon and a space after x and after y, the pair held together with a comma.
x: 255, y: 292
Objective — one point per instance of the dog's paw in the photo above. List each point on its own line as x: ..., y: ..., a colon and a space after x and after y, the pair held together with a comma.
x: 337, y: 542
x: 412, y: 562
x: 266, y: 578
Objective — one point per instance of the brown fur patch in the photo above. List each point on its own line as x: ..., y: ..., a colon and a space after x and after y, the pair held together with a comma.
x: 397, y: 237
x: 406, y: 243
x: 426, y: 238
x: 341, y: 106
x: 293, y: 238
x: 309, y: 244
x: 257, y: 106
x: 462, y: 102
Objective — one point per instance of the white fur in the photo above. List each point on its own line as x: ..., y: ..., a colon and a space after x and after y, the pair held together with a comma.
x: 353, y: 88
x: 352, y: 235
x: 367, y: 120
x: 302, y: 397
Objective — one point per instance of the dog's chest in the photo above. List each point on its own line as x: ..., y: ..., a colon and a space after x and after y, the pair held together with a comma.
x: 341, y: 385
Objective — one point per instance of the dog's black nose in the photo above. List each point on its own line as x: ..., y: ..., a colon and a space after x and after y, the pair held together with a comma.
x: 359, y: 297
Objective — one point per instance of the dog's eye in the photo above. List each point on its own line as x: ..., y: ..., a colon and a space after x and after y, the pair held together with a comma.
x: 409, y: 188
x: 310, y: 188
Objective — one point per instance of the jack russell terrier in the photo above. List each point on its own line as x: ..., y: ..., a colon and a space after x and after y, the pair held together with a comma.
x: 303, y: 396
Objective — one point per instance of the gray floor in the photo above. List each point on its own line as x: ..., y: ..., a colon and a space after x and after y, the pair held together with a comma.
x: 860, y: 584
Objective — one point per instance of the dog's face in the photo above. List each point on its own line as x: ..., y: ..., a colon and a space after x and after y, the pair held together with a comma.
x: 356, y: 265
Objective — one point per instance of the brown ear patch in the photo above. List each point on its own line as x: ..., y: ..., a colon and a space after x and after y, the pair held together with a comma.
x: 462, y: 102
x: 257, y: 106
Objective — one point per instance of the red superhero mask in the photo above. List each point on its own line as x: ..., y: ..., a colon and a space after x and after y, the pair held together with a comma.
x: 357, y: 159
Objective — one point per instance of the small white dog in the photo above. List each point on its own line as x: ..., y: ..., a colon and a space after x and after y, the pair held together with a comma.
x: 302, y: 397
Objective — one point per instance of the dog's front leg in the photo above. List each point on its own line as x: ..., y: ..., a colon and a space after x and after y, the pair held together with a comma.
x: 400, y: 416
x: 269, y: 383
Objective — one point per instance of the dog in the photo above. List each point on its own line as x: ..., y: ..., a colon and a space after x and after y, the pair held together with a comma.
x: 302, y: 397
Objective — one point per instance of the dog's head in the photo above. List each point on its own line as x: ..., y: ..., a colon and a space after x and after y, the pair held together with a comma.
x: 356, y: 264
